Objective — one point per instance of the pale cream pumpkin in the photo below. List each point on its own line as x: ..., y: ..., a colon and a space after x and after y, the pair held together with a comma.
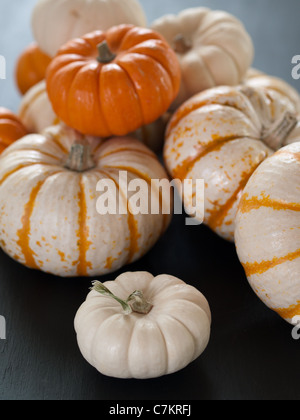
x: 55, y: 22
x: 213, y: 48
x: 37, y: 114
x: 163, y: 326
x: 255, y: 78
x: 222, y: 136
x: 35, y: 110
x: 55, y: 225
x: 267, y: 232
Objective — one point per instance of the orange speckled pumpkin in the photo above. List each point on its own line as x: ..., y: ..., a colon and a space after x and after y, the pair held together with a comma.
x: 112, y: 83
x: 31, y: 67
x: 222, y: 136
x: 55, y: 226
x: 11, y: 128
x: 267, y: 232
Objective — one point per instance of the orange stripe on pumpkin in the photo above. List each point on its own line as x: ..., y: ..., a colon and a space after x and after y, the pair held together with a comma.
x: 182, y: 170
x: 254, y: 203
x: 83, y: 233
x: 289, y: 313
x: 18, y: 168
x: 132, y: 224
x: 136, y: 172
x: 256, y: 268
x: 218, y: 216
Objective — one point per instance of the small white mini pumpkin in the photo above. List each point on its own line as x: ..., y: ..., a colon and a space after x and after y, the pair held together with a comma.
x: 55, y: 22
x: 36, y: 111
x: 268, y: 232
x: 157, y: 326
x: 213, y: 48
x: 257, y: 79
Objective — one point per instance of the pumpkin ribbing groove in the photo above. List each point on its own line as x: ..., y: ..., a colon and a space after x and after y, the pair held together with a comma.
x: 132, y: 223
x: 147, y: 179
x: 24, y: 233
x: 83, y: 232
x: 183, y: 169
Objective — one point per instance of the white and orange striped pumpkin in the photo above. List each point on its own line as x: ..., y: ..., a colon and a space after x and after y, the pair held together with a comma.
x: 35, y: 110
x: 49, y: 218
x: 221, y: 136
x: 267, y: 231
x: 213, y: 48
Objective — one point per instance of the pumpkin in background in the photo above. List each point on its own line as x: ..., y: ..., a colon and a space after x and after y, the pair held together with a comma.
x: 55, y: 22
x: 35, y: 110
x: 222, y: 136
x: 11, y: 128
x: 56, y: 227
x: 113, y: 83
x: 159, y: 327
x: 267, y: 231
x: 213, y: 48
x: 255, y: 78
x: 31, y: 68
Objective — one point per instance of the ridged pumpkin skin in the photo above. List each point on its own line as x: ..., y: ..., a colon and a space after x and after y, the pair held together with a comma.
x: 56, y: 227
x: 257, y: 79
x: 213, y: 48
x: 115, y: 98
x: 267, y: 232
x: 31, y: 68
x: 37, y: 114
x: 171, y: 336
x: 11, y: 128
x: 75, y: 18
x: 35, y: 110
x: 222, y: 136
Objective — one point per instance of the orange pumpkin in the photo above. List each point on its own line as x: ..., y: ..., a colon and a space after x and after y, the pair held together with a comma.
x: 11, y: 128
x: 31, y: 68
x: 112, y: 83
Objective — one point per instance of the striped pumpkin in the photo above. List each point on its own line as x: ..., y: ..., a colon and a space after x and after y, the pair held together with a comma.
x: 267, y: 232
x: 222, y: 135
x: 55, y: 226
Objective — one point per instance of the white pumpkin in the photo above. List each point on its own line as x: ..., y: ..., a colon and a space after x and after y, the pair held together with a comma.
x: 163, y: 327
x: 255, y: 78
x: 213, y: 48
x: 267, y: 232
x: 49, y: 215
x: 36, y: 111
x: 221, y: 136
x: 54, y: 22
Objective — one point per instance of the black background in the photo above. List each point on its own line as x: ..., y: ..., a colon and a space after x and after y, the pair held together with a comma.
x: 251, y: 354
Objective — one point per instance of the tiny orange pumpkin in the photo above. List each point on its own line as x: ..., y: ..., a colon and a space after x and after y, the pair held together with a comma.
x: 11, y: 128
x: 112, y: 83
x: 31, y: 68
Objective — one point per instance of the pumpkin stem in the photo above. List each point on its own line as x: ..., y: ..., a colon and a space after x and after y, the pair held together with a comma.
x: 80, y: 157
x: 105, y: 54
x: 181, y: 44
x: 276, y: 136
x: 138, y: 305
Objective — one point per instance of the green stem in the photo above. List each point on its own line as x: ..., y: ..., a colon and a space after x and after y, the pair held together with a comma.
x: 135, y: 302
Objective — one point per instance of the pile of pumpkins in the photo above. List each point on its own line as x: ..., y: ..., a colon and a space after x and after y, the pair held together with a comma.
x: 103, y: 94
